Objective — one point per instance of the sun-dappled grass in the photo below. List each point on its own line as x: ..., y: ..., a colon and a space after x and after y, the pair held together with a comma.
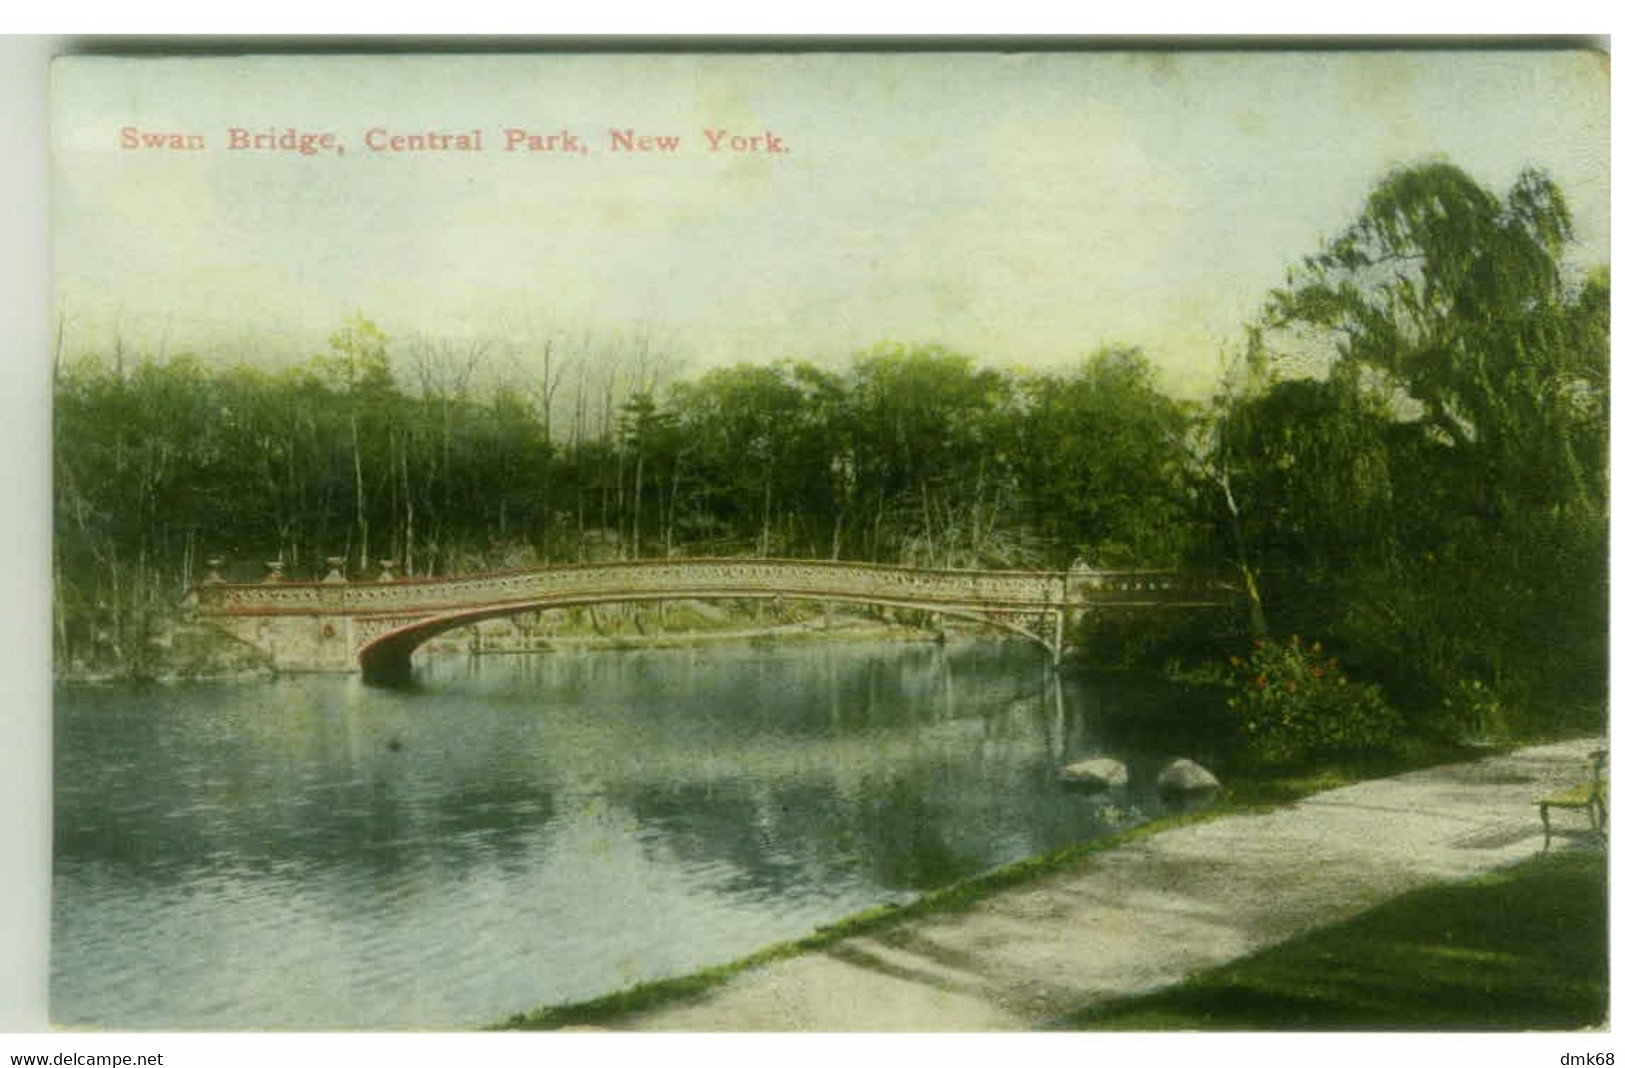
x: 1521, y: 949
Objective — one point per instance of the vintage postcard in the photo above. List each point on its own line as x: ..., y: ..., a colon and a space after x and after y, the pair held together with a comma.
x: 991, y: 540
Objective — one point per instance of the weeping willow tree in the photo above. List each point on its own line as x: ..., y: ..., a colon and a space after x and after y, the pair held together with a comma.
x: 1437, y: 498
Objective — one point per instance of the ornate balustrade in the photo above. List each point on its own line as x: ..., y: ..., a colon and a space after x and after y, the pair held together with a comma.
x: 1033, y: 590
x: 384, y: 619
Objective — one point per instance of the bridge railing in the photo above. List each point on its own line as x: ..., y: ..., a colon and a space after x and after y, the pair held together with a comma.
x: 995, y: 590
x: 1151, y: 587
x: 646, y: 578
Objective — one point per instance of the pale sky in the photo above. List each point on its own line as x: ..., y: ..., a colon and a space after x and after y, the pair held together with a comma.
x: 1025, y: 209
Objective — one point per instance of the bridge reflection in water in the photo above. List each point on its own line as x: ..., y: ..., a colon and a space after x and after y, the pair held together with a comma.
x: 339, y: 625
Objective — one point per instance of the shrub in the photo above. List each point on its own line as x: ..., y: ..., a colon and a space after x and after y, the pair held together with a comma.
x: 1472, y: 712
x: 1292, y: 702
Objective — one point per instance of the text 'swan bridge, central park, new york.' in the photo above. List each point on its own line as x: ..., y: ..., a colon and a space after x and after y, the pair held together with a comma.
x: 343, y: 626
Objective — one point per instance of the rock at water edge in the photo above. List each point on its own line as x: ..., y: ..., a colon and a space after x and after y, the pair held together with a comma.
x: 1097, y: 773
x: 1186, y: 777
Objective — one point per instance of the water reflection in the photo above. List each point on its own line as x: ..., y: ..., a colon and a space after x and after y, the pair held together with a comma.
x: 310, y: 853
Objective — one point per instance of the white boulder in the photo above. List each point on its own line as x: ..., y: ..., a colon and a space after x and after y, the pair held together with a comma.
x: 1096, y: 773
x: 1186, y: 777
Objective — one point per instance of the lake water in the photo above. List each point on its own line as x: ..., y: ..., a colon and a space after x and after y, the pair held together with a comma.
x: 308, y: 853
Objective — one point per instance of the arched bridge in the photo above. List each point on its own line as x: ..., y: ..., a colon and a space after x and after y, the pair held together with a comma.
x: 339, y: 625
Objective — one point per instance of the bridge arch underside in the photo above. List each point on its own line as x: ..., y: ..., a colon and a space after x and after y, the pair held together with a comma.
x: 387, y: 659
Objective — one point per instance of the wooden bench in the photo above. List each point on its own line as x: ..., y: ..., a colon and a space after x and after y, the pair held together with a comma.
x: 1591, y: 796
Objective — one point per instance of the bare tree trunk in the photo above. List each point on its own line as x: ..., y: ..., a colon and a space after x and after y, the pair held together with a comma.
x: 411, y: 511
x: 637, y: 505
x: 393, y: 475
x: 117, y: 621
x: 671, y: 514
x: 1255, y: 602
x: 549, y: 386
x: 59, y: 616
x: 577, y: 434
x: 767, y: 512
x: 56, y: 355
x: 360, y: 491
x: 874, y: 538
x: 925, y: 516
x: 976, y: 531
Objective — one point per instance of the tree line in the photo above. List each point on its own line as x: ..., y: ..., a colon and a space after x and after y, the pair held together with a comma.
x: 912, y: 455
x: 1408, y: 459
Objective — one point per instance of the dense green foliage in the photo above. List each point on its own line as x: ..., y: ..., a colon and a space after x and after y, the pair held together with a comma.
x: 1409, y: 465
x: 1518, y: 950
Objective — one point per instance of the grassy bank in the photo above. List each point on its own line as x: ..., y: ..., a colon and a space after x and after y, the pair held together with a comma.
x: 1521, y: 949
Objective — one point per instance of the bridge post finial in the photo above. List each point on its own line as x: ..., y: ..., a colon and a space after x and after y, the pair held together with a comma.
x: 273, y: 571
x: 386, y: 571
x: 335, y: 569
x: 211, y: 572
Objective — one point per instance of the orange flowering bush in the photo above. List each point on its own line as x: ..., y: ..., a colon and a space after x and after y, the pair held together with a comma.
x: 1292, y: 701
